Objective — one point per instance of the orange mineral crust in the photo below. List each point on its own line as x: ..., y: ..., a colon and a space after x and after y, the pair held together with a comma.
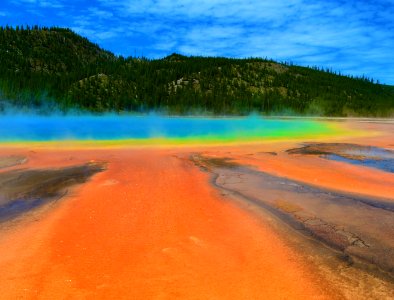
x: 327, y: 174
x: 149, y: 227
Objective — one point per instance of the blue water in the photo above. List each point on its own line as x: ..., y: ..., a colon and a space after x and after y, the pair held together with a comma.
x: 113, y: 127
x: 384, y: 163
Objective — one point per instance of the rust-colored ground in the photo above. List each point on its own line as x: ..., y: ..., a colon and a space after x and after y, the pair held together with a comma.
x: 153, y: 227
x: 150, y: 227
x: 322, y: 172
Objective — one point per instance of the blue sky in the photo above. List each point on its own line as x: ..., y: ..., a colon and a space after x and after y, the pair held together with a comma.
x: 355, y: 36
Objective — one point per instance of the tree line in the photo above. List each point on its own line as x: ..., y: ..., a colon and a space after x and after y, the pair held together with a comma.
x: 40, y: 65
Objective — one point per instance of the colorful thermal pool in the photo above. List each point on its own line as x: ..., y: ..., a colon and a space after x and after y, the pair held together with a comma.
x: 246, y: 208
x: 22, y: 128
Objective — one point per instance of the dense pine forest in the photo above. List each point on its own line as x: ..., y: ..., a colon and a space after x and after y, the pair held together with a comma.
x: 39, y: 66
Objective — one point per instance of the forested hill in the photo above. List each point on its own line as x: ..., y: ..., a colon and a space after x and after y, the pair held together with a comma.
x: 55, y: 65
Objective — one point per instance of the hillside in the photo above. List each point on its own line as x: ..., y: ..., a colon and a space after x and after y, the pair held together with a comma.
x: 41, y: 65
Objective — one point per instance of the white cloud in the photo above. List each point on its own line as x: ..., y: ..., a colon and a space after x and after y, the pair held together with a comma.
x: 98, y: 13
x: 50, y: 4
x: 238, y: 9
x: 24, y: 1
x: 42, y: 3
x: 96, y: 35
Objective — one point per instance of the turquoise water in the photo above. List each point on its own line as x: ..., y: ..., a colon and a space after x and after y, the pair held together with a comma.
x: 19, y: 128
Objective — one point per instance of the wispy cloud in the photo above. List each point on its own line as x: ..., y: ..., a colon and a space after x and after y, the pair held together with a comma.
x: 99, y: 13
x: 24, y: 1
x: 42, y: 3
x: 355, y: 37
x: 51, y: 3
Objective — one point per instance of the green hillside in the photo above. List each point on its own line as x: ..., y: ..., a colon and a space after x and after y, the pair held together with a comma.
x: 42, y: 65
